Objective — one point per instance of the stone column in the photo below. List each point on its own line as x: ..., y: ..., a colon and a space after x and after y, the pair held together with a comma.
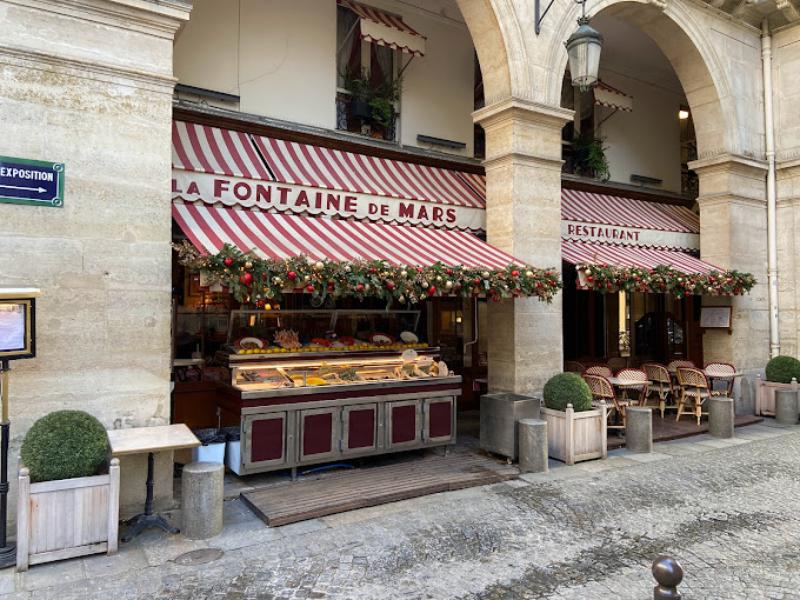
x: 523, y: 218
x: 733, y: 235
x: 89, y: 84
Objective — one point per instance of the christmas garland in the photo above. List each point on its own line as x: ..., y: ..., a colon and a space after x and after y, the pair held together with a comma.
x: 258, y: 281
x: 663, y: 280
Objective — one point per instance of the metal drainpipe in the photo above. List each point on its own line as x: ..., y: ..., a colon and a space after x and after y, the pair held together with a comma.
x: 772, y: 221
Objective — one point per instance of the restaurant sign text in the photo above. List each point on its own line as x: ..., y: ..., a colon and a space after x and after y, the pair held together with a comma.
x: 628, y: 236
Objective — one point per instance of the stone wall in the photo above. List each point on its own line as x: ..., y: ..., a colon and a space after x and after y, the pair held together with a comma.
x: 90, y: 85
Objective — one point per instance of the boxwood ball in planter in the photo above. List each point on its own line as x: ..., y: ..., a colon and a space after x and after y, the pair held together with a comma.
x: 63, y: 445
x: 782, y: 369
x: 567, y: 388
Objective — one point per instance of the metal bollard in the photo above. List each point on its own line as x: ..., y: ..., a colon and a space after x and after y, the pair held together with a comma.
x: 668, y: 574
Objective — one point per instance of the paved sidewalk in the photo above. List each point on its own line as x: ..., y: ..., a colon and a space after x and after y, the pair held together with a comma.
x: 727, y: 509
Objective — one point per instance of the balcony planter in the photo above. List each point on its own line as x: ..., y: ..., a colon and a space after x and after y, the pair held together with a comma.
x: 66, y: 518
x: 576, y: 431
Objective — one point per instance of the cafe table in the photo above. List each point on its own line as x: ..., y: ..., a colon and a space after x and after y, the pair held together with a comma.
x: 138, y: 440
x: 626, y: 384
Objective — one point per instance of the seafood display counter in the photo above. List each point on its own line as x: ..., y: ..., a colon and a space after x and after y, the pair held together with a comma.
x: 365, y: 384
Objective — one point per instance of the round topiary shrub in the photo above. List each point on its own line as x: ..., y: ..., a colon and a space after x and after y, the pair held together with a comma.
x: 63, y: 445
x: 567, y: 388
x: 781, y: 369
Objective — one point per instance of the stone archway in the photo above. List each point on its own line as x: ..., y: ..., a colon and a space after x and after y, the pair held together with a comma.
x: 718, y: 63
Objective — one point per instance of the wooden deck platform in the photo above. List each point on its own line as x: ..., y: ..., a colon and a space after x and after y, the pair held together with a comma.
x: 411, y: 477
x: 668, y: 428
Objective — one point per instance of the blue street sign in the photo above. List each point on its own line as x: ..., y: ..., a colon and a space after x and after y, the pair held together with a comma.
x: 34, y: 182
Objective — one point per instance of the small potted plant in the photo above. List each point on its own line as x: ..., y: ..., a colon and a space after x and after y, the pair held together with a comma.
x: 576, y: 430
x: 68, y: 502
x: 780, y: 372
x: 590, y: 157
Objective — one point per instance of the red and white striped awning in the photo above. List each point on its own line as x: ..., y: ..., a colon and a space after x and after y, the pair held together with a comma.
x: 596, y: 253
x: 272, y: 235
x: 611, y: 97
x: 577, y: 205
x: 385, y: 29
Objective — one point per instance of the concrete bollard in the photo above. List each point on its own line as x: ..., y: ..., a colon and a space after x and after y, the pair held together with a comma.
x: 786, y: 409
x: 639, y: 429
x: 533, y: 446
x: 201, y: 500
x: 668, y: 574
x: 721, y: 417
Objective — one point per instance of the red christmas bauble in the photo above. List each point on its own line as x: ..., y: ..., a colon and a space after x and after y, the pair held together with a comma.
x: 331, y: 286
x: 360, y: 287
x: 309, y: 288
x: 431, y: 290
x: 476, y: 281
x: 228, y: 261
x: 246, y: 278
x: 390, y: 285
x: 291, y: 275
x: 515, y: 273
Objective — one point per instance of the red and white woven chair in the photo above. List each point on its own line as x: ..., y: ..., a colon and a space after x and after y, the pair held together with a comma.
x: 634, y: 379
x: 723, y: 371
x: 695, y: 389
x: 601, y: 370
x: 603, y: 390
x: 660, y: 385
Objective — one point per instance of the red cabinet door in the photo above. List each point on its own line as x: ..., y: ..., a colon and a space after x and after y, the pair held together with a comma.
x: 403, y: 423
x: 265, y: 443
x: 439, y: 420
x: 319, y: 434
x: 359, y: 428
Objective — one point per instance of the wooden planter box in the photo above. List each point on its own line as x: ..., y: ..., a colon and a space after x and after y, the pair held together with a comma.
x: 576, y: 436
x: 67, y: 517
x: 765, y: 395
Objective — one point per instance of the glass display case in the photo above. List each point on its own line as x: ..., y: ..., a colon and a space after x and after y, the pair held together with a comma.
x: 253, y: 334
x: 317, y: 374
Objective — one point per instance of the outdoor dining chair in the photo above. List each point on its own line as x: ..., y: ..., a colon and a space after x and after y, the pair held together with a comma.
x: 724, y: 371
x: 660, y: 383
x: 601, y: 370
x: 573, y: 366
x: 602, y: 389
x: 695, y: 389
x: 634, y: 379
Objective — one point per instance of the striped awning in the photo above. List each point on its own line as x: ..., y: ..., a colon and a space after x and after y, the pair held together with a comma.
x: 611, y: 97
x: 596, y: 253
x: 283, y: 236
x: 385, y: 29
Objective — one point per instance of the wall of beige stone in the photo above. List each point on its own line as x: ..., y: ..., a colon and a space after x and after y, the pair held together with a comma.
x: 90, y: 84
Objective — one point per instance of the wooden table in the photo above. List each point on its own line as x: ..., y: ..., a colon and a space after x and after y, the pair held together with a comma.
x: 137, y: 440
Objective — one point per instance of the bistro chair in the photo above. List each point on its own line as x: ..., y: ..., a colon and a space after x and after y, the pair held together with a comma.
x: 601, y: 370
x: 660, y: 383
x: 640, y: 381
x: 675, y: 364
x: 723, y: 371
x: 603, y: 390
x: 694, y: 387
x: 573, y: 366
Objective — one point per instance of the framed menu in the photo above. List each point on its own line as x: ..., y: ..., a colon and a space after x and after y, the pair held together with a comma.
x: 17, y: 324
x: 716, y: 317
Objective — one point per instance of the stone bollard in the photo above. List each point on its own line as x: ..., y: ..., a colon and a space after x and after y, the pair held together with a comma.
x: 668, y: 574
x: 639, y: 429
x: 533, y: 446
x: 201, y: 500
x: 720, y: 417
x: 786, y: 409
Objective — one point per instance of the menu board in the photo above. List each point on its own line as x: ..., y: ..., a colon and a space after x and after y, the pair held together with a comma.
x: 715, y: 317
x: 13, y: 332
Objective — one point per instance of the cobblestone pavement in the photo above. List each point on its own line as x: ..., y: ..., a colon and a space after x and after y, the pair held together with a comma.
x: 728, y: 510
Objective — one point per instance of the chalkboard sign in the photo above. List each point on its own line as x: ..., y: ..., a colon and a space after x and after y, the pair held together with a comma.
x: 716, y: 317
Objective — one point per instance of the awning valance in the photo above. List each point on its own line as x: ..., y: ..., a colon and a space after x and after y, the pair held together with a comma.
x: 282, y: 236
x: 596, y: 253
x: 385, y: 29
x: 611, y: 97
x: 220, y: 166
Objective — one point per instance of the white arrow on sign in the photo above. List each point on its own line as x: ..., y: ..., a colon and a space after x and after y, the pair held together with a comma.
x: 39, y: 190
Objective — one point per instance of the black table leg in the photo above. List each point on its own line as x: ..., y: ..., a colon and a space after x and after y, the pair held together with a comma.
x: 147, y: 519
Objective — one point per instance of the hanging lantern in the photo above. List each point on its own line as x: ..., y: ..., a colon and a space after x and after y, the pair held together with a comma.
x: 583, y: 49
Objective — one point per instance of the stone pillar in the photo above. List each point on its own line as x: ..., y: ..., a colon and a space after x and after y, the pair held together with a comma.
x: 523, y: 218
x: 639, y: 429
x: 89, y: 84
x: 733, y: 235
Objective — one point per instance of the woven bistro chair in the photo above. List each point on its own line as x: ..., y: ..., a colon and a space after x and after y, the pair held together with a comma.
x: 603, y: 390
x: 694, y: 388
x: 723, y: 370
x: 675, y: 364
x: 635, y: 376
x: 601, y: 370
x: 660, y: 384
x: 573, y: 366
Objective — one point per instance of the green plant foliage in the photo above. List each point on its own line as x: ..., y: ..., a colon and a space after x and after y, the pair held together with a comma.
x: 590, y: 157
x: 63, y: 445
x: 381, y: 97
x: 567, y: 388
x: 781, y: 369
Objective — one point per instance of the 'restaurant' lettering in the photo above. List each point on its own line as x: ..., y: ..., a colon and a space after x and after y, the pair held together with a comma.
x: 603, y: 231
